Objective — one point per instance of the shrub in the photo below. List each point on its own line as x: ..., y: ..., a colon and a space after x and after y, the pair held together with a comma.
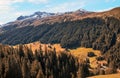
x: 91, y: 54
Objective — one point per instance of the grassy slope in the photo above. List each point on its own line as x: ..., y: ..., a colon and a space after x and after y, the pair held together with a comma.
x: 82, y: 52
x: 107, y: 76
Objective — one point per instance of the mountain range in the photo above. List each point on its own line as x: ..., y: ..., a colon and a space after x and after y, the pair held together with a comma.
x: 81, y: 28
x: 39, y: 18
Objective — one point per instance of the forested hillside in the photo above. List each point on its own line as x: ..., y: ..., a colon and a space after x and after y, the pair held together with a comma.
x: 22, y: 63
x: 97, y: 33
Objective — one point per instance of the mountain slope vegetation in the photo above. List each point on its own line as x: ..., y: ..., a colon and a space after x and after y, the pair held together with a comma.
x: 22, y: 63
x: 97, y: 33
x: 100, y: 31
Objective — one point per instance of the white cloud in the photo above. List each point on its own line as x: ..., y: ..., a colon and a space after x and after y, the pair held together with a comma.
x: 23, y: 13
x: 6, y: 5
x: 38, y: 1
x: 69, y: 6
x: 8, y: 11
x: 1, y: 23
x: 105, y: 9
x: 9, y: 2
x: 4, y: 2
x: 4, y: 8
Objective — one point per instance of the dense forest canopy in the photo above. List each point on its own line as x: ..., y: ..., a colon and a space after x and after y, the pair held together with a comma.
x: 22, y: 63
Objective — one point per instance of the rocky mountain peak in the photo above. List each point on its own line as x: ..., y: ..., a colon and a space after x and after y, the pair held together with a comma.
x: 36, y: 15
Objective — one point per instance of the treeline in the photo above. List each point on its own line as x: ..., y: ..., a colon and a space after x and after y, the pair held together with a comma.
x: 22, y: 63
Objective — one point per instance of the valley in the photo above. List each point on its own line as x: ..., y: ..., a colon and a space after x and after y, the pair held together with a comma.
x: 76, y: 44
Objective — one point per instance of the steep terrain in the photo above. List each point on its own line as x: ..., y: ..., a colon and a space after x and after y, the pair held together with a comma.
x: 97, y: 30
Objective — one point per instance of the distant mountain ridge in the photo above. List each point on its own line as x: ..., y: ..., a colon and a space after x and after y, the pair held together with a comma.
x: 37, y: 15
x: 38, y: 18
x: 40, y: 15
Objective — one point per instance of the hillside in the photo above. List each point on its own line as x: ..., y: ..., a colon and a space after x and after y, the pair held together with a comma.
x: 97, y: 32
x: 91, y: 32
x: 22, y: 63
x: 28, y: 52
x: 94, y: 33
x: 95, y: 60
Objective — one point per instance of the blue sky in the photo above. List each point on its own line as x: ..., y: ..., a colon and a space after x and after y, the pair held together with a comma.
x: 11, y: 9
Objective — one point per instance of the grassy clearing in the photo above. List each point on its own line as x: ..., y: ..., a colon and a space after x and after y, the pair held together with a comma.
x: 82, y: 52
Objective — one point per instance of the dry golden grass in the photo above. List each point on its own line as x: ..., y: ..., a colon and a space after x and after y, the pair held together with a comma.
x: 93, y: 62
x: 107, y: 76
x: 36, y: 46
x: 82, y: 52
x: 58, y: 47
